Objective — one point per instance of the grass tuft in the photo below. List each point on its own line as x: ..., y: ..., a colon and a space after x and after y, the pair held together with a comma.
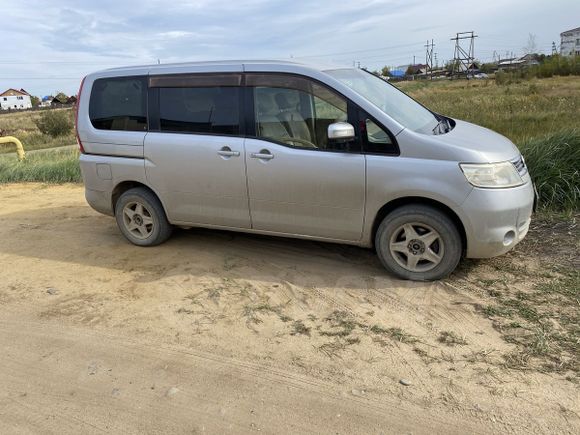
x: 554, y: 164
x: 396, y: 334
x: 60, y: 166
x: 450, y: 338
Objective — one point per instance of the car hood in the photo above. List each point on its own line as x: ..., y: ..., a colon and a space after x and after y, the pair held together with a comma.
x: 466, y: 142
x: 491, y: 146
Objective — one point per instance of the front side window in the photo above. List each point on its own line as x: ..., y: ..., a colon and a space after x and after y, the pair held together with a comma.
x: 119, y: 104
x: 296, y: 111
x: 389, y: 99
x: 212, y: 110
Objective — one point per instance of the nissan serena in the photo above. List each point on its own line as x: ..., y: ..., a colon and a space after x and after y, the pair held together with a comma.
x: 281, y: 148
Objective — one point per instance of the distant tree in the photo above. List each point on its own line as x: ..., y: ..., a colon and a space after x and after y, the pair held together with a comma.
x: 55, y: 122
x: 386, y: 71
x: 34, y: 100
x: 531, y: 46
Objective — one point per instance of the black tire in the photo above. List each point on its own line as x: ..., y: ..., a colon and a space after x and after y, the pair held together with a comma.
x: 157, y: 232
x: 390, y: 230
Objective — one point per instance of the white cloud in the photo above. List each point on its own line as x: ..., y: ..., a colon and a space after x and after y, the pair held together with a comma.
x: 175, y: 34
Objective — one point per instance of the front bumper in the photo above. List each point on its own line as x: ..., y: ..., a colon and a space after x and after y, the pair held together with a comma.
x: 497, y: 219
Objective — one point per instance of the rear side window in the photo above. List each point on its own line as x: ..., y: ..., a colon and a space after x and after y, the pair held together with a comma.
x: 213, y: 110
x: 119, y: 104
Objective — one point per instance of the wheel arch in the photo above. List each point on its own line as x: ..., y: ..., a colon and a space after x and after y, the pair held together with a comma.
x: 389, y: 207
x: 123, y: 186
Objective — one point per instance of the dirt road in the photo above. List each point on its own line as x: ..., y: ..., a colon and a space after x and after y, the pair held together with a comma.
x: 219, y: 332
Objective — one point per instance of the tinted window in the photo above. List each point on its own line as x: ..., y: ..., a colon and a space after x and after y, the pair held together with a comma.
x: 200, y: 110
x: 119, y: 104
x: 376, y: 139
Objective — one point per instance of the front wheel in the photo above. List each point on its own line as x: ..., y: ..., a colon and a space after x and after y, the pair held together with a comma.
x: 141, y: 218
x: 418, y: 243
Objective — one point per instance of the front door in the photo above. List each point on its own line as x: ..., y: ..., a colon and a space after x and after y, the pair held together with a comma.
x: 299, y: 182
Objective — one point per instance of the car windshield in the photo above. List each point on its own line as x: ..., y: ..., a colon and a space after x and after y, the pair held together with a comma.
x: 388, y: 98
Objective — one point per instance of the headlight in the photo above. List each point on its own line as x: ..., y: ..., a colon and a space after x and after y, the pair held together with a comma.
x: 494, y: 175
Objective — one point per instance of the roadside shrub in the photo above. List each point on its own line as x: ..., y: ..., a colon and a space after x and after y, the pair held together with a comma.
x: 554, y: 164
x: 54, y: 123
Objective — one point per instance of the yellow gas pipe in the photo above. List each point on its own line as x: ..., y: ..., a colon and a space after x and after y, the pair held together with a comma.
x: 19, y: 147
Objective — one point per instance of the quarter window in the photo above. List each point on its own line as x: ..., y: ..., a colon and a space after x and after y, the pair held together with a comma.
x: 213, y: 110
x: 376, y: 139
x: 296, y: 111
x: 119, y: 104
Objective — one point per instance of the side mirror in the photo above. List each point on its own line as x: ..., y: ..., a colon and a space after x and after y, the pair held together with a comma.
x: 342, y: 131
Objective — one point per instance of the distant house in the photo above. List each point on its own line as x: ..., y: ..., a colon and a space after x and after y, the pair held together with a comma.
x: 517, y: 62
x: 418, y: 69
x: 72, y: 100
x: 439, y: 73
x: 570, y: 42
x: 397, y: 73
x: 59, y: 100
x: 46, y: 101
x: 465, y: 68
x: 14, y: 99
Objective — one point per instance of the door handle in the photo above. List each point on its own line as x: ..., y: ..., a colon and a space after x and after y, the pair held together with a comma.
x: 263, y: 155
x: 227, y: 152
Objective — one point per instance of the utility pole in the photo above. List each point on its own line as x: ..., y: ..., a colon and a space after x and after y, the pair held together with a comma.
x: 436, y: 62
x: 554, y: 49
x: 429, y: 59
x: 463, y: 57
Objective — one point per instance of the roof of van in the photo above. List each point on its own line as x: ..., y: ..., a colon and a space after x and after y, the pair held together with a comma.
x: 230, y: 63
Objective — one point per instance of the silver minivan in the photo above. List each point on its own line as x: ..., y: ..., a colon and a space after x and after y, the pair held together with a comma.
x: 287, y: 149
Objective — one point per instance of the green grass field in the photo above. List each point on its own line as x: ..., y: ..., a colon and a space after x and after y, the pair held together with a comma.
x: 22, y: 126
x: 54, y: 166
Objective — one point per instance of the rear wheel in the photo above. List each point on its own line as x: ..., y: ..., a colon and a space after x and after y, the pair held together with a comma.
x: 141, y: 218
x: 418, y: 242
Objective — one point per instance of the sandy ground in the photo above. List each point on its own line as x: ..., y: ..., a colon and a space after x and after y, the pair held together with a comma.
x: 221, y: 332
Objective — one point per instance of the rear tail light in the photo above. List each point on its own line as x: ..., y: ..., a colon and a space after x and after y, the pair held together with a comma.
x: 81, y: 149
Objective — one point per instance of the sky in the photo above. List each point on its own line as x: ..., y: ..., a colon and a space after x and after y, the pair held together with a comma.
x: 49, y: 45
